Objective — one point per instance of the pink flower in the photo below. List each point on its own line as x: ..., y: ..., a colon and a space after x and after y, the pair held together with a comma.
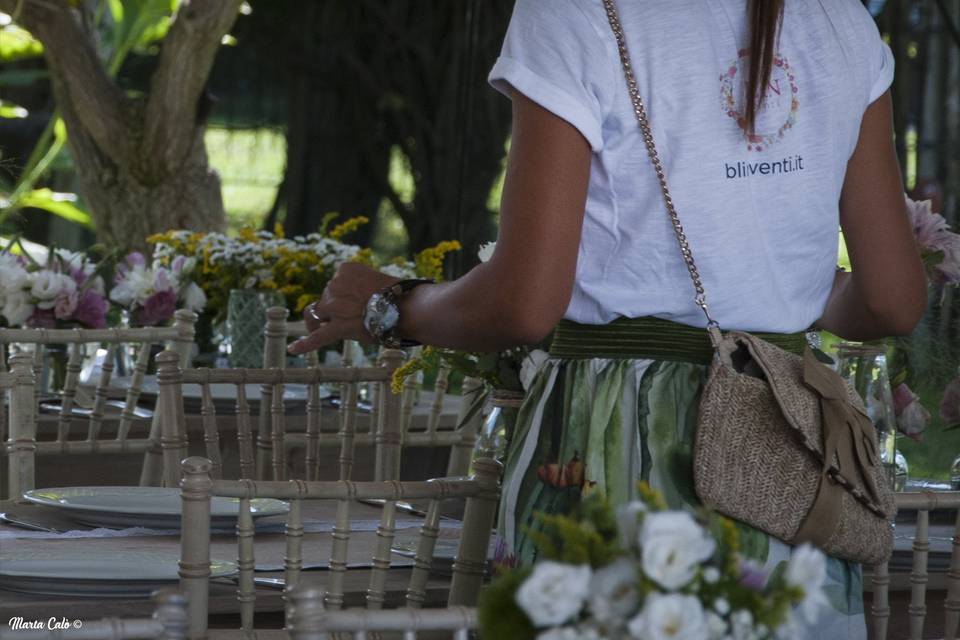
x: 933, y: 235
x: 65, y: 304
x: 950, y: 404
x: 752, y: 575
x: 912, y: 417
x: 157, y: 309
x: 91, y: 310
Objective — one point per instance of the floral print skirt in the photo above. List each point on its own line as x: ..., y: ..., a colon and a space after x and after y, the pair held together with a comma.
x: 604, y: 424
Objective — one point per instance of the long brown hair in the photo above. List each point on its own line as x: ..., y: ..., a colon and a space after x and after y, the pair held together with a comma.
x: 764, y: 17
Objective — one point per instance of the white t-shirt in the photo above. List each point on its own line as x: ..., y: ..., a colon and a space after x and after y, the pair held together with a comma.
x: 761, y: 215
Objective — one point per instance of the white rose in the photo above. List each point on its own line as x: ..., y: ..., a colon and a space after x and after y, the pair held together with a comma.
x: 17, y: 308
x: 15, y: 277
x: 135, y: 286
x: 613, y: 591
x: 673, y: 545
x: 554, y: 593
x: 807, y: 570
x: 193, y: 297
x: 531, y: 365
x: 711, y: 575
x: 486, y: 251
x: 742, y: 622
x: 46, y: 286
x: 670, y: 617
x: 716, y: 626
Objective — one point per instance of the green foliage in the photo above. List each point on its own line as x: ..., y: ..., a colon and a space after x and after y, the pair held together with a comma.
x: 134, y: 25
x: 59, y: 204
x: 588, y: 536
x: 22, y: 77
x: 16, y: 43
x: 499, y: 616
x: 10, y: 110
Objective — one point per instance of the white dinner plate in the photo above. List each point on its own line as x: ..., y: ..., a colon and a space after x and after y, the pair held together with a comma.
x: 119, y: 573
x: 156, y: 507
x: 219, y: 391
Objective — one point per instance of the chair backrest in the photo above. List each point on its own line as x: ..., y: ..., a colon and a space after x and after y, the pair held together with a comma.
x: 271, y: 434
x: 460, y: 439
x: 923, y: 502
x: 71, y: 394
x: 17, y: 409
x: 310, y: 620
x: 169, y: 622
x: 481, y: 493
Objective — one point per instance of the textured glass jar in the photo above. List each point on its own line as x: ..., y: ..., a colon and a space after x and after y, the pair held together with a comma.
x: 246, y: 317
x: 497, y: 428
x: 865, y: 367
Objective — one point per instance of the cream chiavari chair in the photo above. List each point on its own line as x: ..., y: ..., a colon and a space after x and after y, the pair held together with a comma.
x: 310, y: 620
x: 17, y: 409
x: 179, y: 336
x: 271, y: 437
x: 480, y: 492
x: 923, y: 502
x: 169, y: 622
x: 461, y: 439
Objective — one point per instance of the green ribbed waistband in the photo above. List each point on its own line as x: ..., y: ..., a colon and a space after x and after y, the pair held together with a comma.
x: 648, y: 338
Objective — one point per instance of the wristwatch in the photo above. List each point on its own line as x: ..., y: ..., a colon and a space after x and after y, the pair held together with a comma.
x: 381, y: 315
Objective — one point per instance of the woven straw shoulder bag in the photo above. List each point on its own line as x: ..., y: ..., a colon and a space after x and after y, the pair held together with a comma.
x: 783, y: 443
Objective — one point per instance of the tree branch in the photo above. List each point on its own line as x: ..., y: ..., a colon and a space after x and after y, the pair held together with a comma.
x: 185, y: 62
x: 99, y: 104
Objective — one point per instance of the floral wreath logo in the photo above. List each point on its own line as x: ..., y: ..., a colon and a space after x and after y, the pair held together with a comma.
x: 760, y: 140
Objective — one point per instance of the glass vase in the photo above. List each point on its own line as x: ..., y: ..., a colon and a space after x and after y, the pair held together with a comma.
x: 865, y: 367
x: 498, y: 426
x: 246, y: 318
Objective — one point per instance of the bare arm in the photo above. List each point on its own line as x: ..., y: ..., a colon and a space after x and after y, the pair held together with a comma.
x: 524, y: 289
x: 886, y: 292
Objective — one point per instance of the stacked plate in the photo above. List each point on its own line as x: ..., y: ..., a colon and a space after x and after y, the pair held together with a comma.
x: 155, y: 507
x: 123, y: 573
x: 66, y: 569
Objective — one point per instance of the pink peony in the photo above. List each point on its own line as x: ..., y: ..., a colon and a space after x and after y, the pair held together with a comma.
x: 950, y: 404
x: 91, y: 310
x: 65, y: 304
x: 912, y: 417
x: 933, y: 235
x: 157, y: 309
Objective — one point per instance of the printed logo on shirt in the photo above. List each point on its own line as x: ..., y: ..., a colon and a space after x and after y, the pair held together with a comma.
x: 776, y: 115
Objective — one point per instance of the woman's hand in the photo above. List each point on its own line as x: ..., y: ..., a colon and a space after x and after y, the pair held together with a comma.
x: 338, y: 315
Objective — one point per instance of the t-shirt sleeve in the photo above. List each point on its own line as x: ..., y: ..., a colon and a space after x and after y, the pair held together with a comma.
x: 554, y: 55
x: 879, y: 57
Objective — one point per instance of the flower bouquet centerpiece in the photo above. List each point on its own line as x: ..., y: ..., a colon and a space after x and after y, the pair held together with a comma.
x: 151, y: 293
x: 295, y: 269
x: 64, y: 291
x: 921, y: 358
x: 648, y: 573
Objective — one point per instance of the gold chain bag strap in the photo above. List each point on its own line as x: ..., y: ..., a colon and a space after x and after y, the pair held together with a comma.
x: 783, y: 443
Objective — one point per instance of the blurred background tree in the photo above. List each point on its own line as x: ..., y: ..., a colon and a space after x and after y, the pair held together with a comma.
x: 140, y: 159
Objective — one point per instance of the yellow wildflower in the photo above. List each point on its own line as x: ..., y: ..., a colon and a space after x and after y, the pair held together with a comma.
x: 349, y: 226
x: 429, y: 262
x: 364, y: 256
x: 247, y: 234
x: 278, y: 230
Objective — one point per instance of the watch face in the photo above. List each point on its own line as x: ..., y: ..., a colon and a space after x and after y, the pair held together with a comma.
x: 381, y: 315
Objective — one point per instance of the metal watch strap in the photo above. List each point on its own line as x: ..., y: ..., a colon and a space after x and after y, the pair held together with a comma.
x: 392, y: 293
x: 640, y: 112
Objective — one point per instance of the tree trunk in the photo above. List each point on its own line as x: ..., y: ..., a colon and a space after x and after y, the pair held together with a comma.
x: 141, y: 162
